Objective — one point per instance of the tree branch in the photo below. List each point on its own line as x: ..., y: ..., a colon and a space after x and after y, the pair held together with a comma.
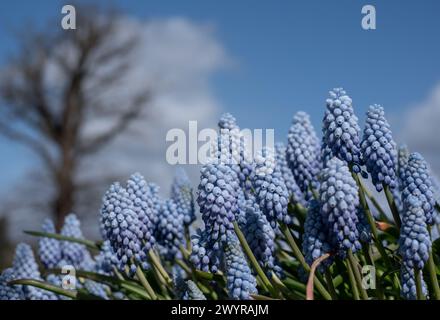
x: 122, y: 123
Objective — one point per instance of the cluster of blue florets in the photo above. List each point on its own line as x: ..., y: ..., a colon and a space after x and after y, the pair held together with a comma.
x: 257, y: 195
x: 170, y: 231
x: 303, y: 152
x: 341, y: 130
x: 49, y: 249
x: 182, y: 195
x: 122, y: 228
x: 241, y: 283
x: 292, y: 187
x: 24, y: 266
x: 217, y: 199
x: 261, y: 237
x: 379, y: 149
x: 315, y: 241
x: 270, y: 189
x: 417, y: 181
x: 415, y: 241
x: 339, y: 202
x: 140, y: 195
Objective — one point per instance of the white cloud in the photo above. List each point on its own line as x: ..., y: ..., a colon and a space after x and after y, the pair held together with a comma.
x: 421, y: 128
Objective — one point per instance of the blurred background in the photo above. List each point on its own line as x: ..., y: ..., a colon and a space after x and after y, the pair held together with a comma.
x: 82, y: 108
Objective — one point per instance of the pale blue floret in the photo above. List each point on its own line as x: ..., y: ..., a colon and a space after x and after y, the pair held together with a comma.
x: 415, y: 241
x: 341, y: 130
x: 49, y: 249
x: 73, y: 253
x: 204, y: 255
x: 170, y: 231
x: 10, y: 292
x: 303, y: 152
x: 106, y: 259
x: 240, y: 281
x: 292, y: 187
x: 121, y: 227
x: 193, y: 292
x: 25, y: 267
x: 379, y: 149
x: 407, y: 278
x: 417, y: 181
x: 261, y: 238
x: 270, y: 189
x: 339, y: 204
x: 141, y: 198
x: 217, y: 199
x: 181, y: 194
x: 232, y: 150
x: 315, y: 240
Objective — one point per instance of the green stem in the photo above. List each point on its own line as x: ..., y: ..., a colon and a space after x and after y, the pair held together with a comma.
x: 433, y: 273
x: 357, y: 275
x: 370, y: 261
x: 372, y: 223
x: 253, y: 260
x: 156, y: 263
x: 330, y: 285
x: 145, y: 283
x: 418, y: 276
x: 352, y: 281
x: 393, y: 206
x: 188, y: 239
x: 374, y: 201
x: 299, y: 256
x: 184, y: 266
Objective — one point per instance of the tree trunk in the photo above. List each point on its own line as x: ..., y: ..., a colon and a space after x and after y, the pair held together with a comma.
x: 65, y: 189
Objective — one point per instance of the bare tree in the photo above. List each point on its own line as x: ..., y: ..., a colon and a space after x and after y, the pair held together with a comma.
x: 52, y: 88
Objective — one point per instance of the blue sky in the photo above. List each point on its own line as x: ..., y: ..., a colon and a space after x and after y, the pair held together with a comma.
x: 287, y: 55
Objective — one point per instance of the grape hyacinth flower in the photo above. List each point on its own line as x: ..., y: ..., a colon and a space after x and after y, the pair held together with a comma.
x: 181, y: 194
x: 341, y: 130
x: 303, y: 152
x: 232, y: 150
x: 49, y: 249
x: 193, y: 292
x: 270, y: 190
x: 227, y: 121
x: 407, y: 278
x: 25, y: 267
x: 417, y: 181
x: 73, y: 253
x: 144, y: 207
x: 240, y: 280
x: 204, y: 256
x: 96, y: 289
x: 10, y: 292
x: 339, y: 202
x: 217, y: 199
x: 106, y: 259
x: 379, y: 149
x: 121, y: 226
x: 315, y: 242
x: 260, y: 237
x: 289, y: 180
x: 402, y: 160
x: 170, y: 232
x: 415, y: 241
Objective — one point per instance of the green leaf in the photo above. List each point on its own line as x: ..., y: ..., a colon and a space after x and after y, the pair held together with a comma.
x: 46, y: 286
x: 88, y: 243
x: 130, y: 286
